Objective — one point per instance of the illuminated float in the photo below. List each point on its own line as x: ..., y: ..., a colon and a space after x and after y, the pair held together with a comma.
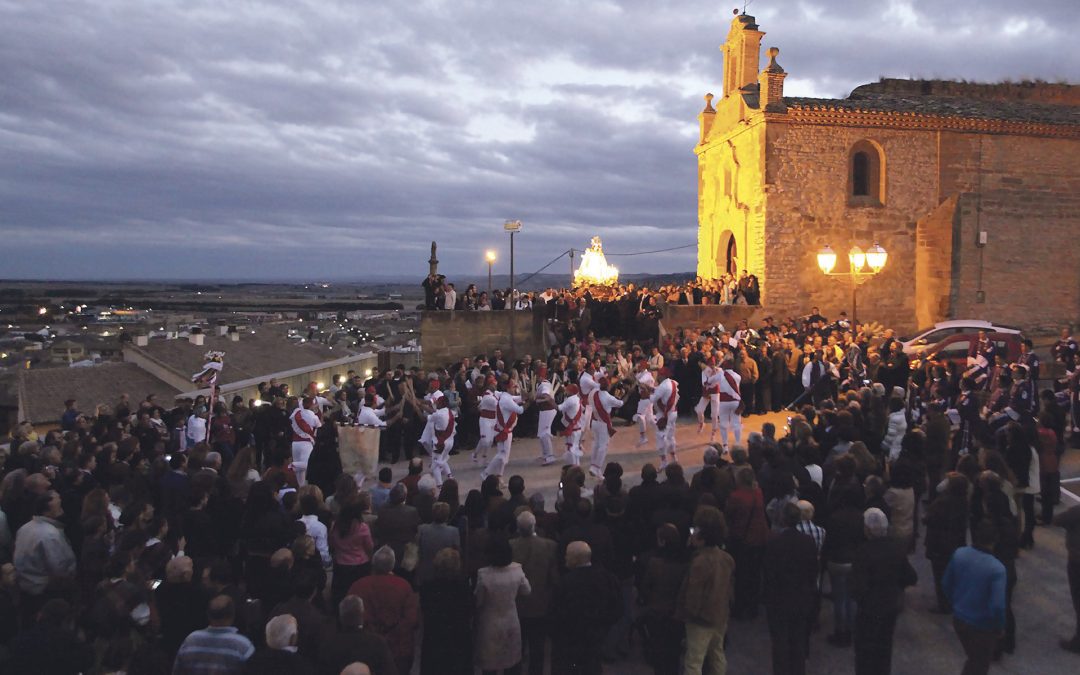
x: 594, y: 269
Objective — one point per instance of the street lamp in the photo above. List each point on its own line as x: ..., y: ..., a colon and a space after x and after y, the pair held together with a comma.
x: 490, y: 257
x: 862, y: 265
x: 513, y: 227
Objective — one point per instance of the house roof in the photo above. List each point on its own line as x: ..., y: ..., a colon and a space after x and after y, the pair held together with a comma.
x: 255, y: 355
x: 42, y: 391
x: 946, y: 106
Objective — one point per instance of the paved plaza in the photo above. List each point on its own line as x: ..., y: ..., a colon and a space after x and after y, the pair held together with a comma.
x: 925, y: 643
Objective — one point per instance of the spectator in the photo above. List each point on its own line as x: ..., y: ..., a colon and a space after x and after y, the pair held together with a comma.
x: 353, y: 643
x: 975, y: 584
x: 585, y: 604
x: 392, y: 608
x: 279, y: 656
x: 704, y: 599
x: 447, y: 602
x: 218, y: 648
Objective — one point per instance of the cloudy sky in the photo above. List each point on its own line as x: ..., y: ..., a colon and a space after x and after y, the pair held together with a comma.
x: 337, y: 138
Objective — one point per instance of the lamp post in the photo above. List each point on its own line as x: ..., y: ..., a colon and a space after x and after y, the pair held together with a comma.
x: 862, y: 265
x: 513, y: 227
x: 490, y: 257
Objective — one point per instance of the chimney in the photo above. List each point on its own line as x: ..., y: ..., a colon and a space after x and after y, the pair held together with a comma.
x: 196, y: 336
x: 233, y: 334
x: 142, y: 340
x: 771, y: 85
x: 706, y: 117
x: 222, y: 328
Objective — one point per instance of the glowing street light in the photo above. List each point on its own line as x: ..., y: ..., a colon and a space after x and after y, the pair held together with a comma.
x: 490, y: 257
x: 861, y: 266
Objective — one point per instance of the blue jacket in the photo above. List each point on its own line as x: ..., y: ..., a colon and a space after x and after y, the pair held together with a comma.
x: 975, y: 584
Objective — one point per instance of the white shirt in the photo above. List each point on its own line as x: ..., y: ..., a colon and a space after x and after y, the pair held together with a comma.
x: 606, y: 400
x: 569, y: 409
x: 370, y: 417
x: 449, y: 299
x: 509, y: 406
x: 663, y: 392
x: 588, y: 384
x: 646, y: 379
x: 317, y: 531
x: 196, y: 428
x: 310, y: 418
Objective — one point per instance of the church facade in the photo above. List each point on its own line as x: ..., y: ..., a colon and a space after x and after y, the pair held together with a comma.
x: 972, y: 189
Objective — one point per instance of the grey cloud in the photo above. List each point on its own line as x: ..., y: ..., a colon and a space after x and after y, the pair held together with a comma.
x: 205, y: 139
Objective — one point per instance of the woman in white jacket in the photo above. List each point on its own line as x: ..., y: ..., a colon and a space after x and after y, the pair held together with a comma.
x: 896, y: 429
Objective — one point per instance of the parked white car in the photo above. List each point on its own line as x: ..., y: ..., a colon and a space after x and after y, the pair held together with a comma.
x: 928, y: 337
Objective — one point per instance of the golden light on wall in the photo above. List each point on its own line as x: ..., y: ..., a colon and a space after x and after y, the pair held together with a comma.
x: 594, y: 269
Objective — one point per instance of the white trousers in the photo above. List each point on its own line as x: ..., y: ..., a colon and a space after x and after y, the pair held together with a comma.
x: 440, y: 462
x: 600, y: 441
x: 665, y: 438
x: 713, y: 401
x: 301, y: 452
x: 730, y: 420
x: 543, y: 432
x: 573, y: 447
x: 644, y: 416
x: 487, y: 435
x: 498, y: 463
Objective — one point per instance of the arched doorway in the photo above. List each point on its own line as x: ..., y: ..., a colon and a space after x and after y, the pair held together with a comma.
x: 727, y: 254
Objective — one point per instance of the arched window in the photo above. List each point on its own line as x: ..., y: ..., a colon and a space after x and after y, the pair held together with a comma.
x: 866, y: 174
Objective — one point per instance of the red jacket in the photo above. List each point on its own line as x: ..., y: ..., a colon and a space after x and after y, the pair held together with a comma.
x: 391, y: 609
x: 745, y: 515
x: 1048, y: 457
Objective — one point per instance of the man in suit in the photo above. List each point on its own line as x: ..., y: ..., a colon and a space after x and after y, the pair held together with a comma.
x: 790, y: 587
x: 585, y: 604
x: 538, y: 557
x: 879, y: 574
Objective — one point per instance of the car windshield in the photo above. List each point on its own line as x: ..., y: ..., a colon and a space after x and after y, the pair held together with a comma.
x: 909, y: 338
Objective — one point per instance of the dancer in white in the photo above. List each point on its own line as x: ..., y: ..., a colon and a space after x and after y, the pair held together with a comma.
x: 488, y: 404
x: 506, y: 417
x: 304, y: 423
x: 370, y: 415
x: 644, y: 415
x: 545, y: 400
x: 587, y: 384
x: 710, y: 390
x: 430, y: 406
x: 666, y: 399
x: 573, y: 412
x: 730, y: 402
x: 442, y: 441
x: 602, y: 430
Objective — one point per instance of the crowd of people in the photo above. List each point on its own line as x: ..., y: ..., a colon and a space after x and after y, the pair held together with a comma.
x: 218, y: 536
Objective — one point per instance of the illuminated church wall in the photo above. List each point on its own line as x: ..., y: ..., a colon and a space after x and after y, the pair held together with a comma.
x: 942, y: 161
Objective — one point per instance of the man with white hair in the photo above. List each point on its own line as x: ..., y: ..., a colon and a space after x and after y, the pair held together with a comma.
x: 539, y: 559
x: 279, y: 655
x: 356, y: 668
x: 586, y: 602
x: 880, y: 572
x: 392, y: 608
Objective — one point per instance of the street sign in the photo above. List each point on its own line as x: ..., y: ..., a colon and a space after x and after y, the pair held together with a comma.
x: 512, y: 226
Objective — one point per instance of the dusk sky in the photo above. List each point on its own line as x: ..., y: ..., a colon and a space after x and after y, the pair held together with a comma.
x: 335, y: 139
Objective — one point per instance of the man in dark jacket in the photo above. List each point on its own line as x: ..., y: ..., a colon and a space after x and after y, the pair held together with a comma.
x: 585, y: 604
x: 879, y: 574
x: 354, y: 643
x: 790, y: 587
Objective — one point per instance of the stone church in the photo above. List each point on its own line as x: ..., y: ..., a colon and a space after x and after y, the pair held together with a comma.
x: 972, y: 189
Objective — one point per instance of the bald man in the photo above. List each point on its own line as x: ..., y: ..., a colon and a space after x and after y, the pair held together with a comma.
x: 586, y: 602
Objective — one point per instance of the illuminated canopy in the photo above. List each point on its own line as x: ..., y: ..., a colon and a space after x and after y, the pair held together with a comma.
x: 594, y: 269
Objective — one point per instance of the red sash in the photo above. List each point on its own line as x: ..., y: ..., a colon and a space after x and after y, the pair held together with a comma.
x: 724, y: 396
x: 602, y: 413
x: 661, y: 421
x: 572, y: 425
x: 442, y: 436
x: 487, y: 414
x: 298, y: 419
x: 504, y: 427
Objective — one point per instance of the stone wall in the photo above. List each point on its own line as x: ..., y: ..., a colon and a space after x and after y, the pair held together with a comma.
x: 934, y: 237
x: 807, y: 207
x: 446, y: 337
x: 701, y: 317
x: 1024, y: 193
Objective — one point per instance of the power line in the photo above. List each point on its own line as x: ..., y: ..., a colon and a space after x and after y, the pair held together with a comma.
x: 555, y: 260
x: 663, y: 250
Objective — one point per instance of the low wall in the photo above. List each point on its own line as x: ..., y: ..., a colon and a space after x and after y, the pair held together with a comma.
x: 448, y: 336
x: 701, y: 317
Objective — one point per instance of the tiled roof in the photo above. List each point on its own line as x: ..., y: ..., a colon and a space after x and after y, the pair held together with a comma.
x: 254, y: 355
x: 946, y: 106
x: 43, y: 391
